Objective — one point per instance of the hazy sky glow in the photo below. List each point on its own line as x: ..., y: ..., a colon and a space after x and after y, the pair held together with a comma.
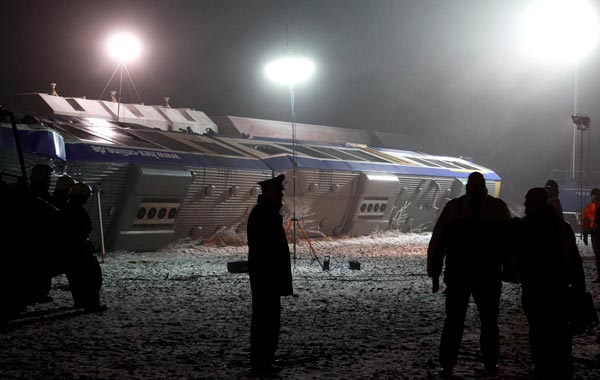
x: 454, y: 68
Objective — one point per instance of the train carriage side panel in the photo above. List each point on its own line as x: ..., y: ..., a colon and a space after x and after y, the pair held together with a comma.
x: 218, y: 198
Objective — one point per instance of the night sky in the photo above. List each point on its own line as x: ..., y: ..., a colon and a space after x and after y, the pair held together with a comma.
x: 452, y: 72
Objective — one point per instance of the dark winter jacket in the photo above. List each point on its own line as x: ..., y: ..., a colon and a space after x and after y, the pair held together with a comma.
x: 268, y: 252
x: 469, y: 234
x: 548, y: 257
x: 77, y: 229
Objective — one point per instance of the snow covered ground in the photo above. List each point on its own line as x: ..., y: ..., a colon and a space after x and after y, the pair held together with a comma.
x: 178, y: 314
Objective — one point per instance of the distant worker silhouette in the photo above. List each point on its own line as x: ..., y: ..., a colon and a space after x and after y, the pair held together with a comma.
x: 40, y: 243
x: 553, y: 199
x: 39, y: 181
x: 549, y: 269
x: 61, y: 191
x: 82, y: 267
x: 591, y: 227
x: 270, y: 274
x: 468, y: 234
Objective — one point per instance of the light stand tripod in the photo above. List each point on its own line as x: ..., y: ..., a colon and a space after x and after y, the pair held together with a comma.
x: 582, y: 124
x: 294, y: 222
x: 120, y: 67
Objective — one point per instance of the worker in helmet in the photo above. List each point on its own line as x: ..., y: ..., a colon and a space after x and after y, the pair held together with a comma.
x: 82, y: 268
x: 61, y: 191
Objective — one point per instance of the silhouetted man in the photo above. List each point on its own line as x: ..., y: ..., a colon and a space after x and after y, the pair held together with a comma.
x: 591, y: 226
x: 39, y: 181
x: 60, y: 194
x: 82, y: 268
x: 468, y: 234
x: 270, y: 274
x: 40, y: 248
x: 553, y: 199
x: 549, y: 264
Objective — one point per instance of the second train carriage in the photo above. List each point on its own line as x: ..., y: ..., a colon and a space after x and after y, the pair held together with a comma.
x: 158, y: 181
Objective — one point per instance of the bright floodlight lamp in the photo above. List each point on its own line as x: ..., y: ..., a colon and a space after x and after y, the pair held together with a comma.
x: 124, y: 47
x: 289, y: 70
x: 560, y: 30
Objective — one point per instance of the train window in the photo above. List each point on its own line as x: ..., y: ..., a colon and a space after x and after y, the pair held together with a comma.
x: 166, y: 141
x: 337, y: 153
x: 79, y: 134
x: 464, y: 165
x: 309, y: 152
x: 364, y: 155
x: 423, y: 162
x: 213, y: 147
x: 443, y: 163
x: 109, y: 131
x: 266, y: 148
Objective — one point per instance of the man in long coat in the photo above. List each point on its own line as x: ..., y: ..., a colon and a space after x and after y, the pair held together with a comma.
x: 270, y: 273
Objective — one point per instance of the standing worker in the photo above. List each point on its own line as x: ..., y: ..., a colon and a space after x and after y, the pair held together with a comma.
x: 551, y: 273
x: 468, y: 234
x: 270, y: 274
x: 553, y: 200
x: 591, y: 226
x: 42, y: 226
x: 60, y: 195
x: 82, y: 267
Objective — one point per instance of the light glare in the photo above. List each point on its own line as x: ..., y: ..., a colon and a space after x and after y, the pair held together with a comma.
x: 289, y: 70
x: 560, y: 30
x: 124, y: 47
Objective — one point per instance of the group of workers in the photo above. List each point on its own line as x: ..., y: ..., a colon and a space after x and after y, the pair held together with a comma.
x: 49, y: 234
x: 480, y: 246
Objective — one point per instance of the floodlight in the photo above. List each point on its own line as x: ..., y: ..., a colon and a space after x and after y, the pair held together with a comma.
x: 289, y: 70
x: 124, y: 47
x: 560, y: 30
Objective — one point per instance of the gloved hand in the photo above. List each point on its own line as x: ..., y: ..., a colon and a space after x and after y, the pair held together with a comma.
x: 585, y: 239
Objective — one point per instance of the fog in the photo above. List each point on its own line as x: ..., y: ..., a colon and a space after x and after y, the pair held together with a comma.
x: 452, y: 75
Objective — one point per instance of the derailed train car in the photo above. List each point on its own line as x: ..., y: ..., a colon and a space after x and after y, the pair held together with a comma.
x: 162, y: 174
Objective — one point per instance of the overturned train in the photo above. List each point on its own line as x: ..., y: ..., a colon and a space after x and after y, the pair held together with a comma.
x: 162, y: 174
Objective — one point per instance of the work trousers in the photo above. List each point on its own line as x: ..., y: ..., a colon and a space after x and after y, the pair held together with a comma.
x: 549, y: 337
x: 264, y: 331
x: 487, y: 298
x: 85, y: 279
